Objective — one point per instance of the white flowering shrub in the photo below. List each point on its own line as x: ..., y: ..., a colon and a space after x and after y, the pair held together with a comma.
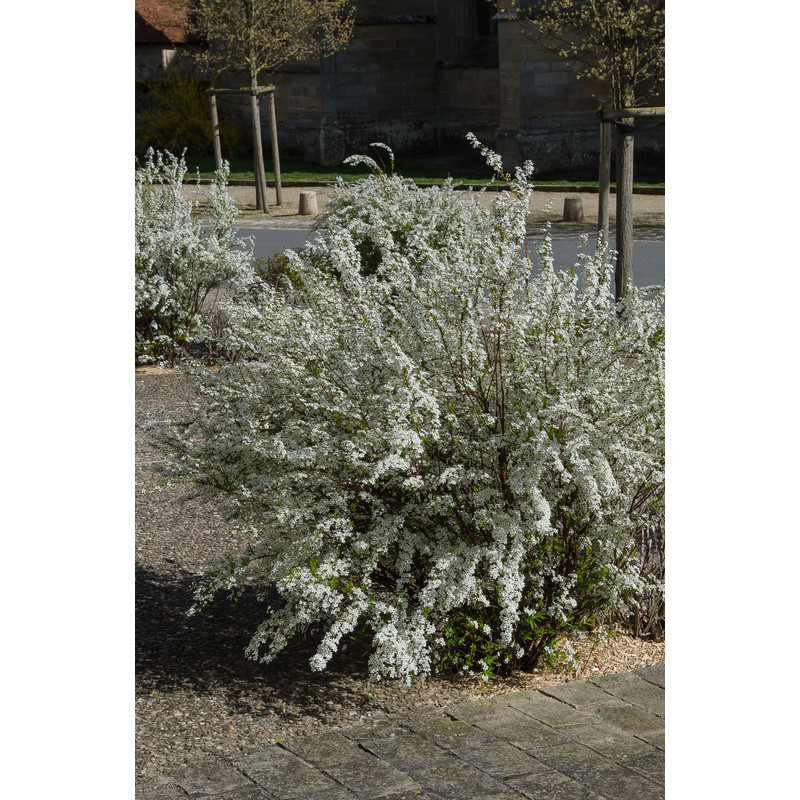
x: 181, y: 255
x: 429, y: 446
x: 420, y: 221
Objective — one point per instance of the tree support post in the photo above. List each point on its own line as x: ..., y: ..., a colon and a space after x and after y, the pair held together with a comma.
x: 258, y: 153
x: 254, y: 90
x: 623, y: 274
x: 623, y: 121
x: 604, y: 180
x: 215, y: 132
x: 276, y: 159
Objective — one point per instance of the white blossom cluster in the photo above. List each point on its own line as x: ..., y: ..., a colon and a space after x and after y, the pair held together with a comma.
x: 426, y: 431
x: 181, y: 256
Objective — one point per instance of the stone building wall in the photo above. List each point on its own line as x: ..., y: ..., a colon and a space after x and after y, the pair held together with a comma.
x: 419, y: 74
x: 415, y: 80
x: 549, y: 116
x: 381, y: 88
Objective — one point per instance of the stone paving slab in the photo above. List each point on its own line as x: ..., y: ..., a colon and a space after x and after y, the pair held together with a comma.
x: 581, y: 695
x: 546, y: 709
x: 650, y: 763
x: 634, y: 690
x: 654, y: 674
x: 462, y: 781
x: 630, y: 718
x: 448, y: 732
x: 552, y: 785
x: 249, y: 793
x: 587, y: 767
x: 524, y: 733
x: 653, y: 738
x: 501, y: 760
x: 601, y: 739
x: 284, y: 775
x: 370, y: 777
x: 324, y: 750
x: 211, y: 776
x: 164, y: 791
x: 409, y: 751
x: 608, y: 740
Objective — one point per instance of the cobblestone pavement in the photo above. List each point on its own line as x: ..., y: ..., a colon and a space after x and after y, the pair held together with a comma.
x: 601, y: 739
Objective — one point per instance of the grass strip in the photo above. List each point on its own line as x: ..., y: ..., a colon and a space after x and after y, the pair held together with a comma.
x: 303, y: 172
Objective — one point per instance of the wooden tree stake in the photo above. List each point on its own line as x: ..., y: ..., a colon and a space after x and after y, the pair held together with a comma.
x: 604, y: 181
x: 215, y: 132
x: 623, y: 274
x: 258, y: 156
x: 276, y: 158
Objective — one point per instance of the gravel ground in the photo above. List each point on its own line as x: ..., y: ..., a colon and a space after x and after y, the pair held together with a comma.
x: 195, y: 690
x: 648, y: 209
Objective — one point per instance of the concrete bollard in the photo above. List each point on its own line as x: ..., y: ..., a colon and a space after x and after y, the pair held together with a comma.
x: 573, y: 209
x: 308, y: 203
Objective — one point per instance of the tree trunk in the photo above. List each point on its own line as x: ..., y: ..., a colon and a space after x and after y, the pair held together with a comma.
x: 276, y: 158
x: 215, y: 132
x: 258, y: 151
x: 623, y: 275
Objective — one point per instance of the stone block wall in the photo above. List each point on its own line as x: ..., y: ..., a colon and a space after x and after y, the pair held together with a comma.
x: 468, y: 100
x: 298, y: 107
x: 419, y: 75
x: 400, y: 82
x: 548, y: 115
x: 381, y: 88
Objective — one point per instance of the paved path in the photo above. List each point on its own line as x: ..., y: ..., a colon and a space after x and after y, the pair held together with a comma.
x: 601, y: 739
x: 557, y: 230
x: 648, y: 210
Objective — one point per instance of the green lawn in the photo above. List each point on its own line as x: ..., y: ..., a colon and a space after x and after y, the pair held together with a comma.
x: 293, y: 170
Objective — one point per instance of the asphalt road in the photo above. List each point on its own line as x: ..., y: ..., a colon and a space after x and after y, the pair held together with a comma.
x: 648, y: 256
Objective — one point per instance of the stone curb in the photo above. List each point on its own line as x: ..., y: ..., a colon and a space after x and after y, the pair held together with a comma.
x: 598, y: 739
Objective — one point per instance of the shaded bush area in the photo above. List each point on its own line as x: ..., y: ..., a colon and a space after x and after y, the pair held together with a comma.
x: 173, y: 113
